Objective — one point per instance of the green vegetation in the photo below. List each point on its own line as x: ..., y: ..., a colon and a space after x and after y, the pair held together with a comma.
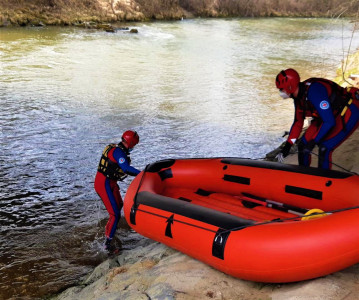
x: 350, y: 67
x: 69, y: 12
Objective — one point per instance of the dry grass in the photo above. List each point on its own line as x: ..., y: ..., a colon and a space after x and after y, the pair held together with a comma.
x: 50, y: 12
x: 161, y: 9
x: 307, y: 8
x: 253, y: 8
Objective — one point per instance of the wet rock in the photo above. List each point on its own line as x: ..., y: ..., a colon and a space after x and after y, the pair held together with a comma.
x: 70, y: 293
x: 89, y: 25
x: 146, y: 248
x: 133, y: 30
x: 100, y: 271
x: 153, y: 271
x: 106, y: 27
x: 80, y: 24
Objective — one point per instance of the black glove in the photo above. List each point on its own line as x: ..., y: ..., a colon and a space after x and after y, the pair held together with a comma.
x: 285, y: 150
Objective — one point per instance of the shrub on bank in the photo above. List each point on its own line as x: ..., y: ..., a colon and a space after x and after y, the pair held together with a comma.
x: 50, y: 12
x: 263, y: 8
x: 348, y: 73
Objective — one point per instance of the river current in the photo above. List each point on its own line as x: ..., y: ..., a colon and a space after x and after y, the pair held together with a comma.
x: 192, y: 88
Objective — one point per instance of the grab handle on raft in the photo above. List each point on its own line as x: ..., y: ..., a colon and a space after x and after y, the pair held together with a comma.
x: 313, y: 214
x: 135, y: 205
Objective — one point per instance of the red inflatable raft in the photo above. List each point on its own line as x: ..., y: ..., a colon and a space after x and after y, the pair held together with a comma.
x: 249, y: 218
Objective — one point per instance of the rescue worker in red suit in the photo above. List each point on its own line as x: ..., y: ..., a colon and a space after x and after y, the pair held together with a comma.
x: 334, y: 111
x: 114, y: 166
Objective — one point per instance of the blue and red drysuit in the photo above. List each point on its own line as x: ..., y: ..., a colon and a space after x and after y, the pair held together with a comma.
x: 335, y: 116
x: 114, y: 166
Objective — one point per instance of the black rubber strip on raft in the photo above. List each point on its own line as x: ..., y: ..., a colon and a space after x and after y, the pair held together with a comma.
x: 249, y: 204
x: 184, y: 199
x: 203, y: 192
x: 304, y: 192
x: 286, y: 167
x: 192, y: 211
x: 165, y: 174
x: 237, y: 179
x: 159, y: 165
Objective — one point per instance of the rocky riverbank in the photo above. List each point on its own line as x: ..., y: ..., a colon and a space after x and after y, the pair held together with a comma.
x: 77, y: 12
x: 153, y: 271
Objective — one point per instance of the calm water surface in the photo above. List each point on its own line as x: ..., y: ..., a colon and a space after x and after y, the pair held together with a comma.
x: 196, y: 88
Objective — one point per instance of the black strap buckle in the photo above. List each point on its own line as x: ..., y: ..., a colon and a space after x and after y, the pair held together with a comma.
x: 219, y: 243
x: 133, y: 214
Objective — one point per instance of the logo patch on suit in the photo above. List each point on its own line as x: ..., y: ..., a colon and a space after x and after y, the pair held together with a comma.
x: 324, y: 104
x: 122, y: 160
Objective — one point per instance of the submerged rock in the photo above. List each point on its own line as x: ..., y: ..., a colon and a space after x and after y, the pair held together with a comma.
x: 105, y: 27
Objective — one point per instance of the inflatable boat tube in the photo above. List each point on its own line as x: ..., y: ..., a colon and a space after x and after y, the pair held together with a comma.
x: 255, y: 220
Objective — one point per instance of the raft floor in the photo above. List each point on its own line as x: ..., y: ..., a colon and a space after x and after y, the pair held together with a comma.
x: 241, y: 206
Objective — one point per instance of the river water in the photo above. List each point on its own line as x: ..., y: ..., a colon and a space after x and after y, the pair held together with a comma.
x: 192, y: 88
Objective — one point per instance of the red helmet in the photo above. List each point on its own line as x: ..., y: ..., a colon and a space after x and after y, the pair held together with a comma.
x: 288, y: 81
x: 131, y: 138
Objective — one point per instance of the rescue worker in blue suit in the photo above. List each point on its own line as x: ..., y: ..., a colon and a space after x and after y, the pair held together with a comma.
x: 115, y: 166
x: 334, y: 111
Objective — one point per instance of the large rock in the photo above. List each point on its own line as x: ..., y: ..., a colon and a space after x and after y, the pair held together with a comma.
x: 154, y: 271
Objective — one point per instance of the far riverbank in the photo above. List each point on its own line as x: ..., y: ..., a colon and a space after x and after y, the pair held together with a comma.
x: 77, y: 12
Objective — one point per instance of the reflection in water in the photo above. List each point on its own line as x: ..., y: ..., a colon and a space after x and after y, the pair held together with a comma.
x: 197, y: 88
